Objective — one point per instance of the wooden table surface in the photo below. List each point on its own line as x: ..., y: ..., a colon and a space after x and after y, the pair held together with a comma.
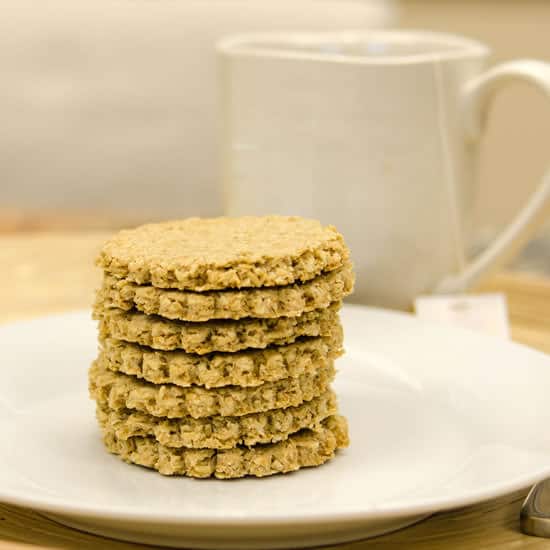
x: 49, y: 272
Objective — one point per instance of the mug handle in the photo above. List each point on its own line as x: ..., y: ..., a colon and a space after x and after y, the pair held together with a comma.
x: 476, y: 98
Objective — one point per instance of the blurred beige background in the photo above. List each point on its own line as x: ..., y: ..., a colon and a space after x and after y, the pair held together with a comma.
x: 108, y: 108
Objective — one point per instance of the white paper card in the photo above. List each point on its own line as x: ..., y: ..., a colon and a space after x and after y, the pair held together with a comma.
x: 483, y: 312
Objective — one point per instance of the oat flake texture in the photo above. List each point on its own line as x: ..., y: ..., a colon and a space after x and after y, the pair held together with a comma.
x: 286, y: 301
x: 217, y: 344
x: 251, y: 367
x: 219, y: 432
x: 210, y: 336
x: 220, y: 253
x: 304, y: 449
x: 120, y: 391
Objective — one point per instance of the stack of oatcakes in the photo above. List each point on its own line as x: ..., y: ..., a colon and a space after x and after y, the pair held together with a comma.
x: 217, y: 345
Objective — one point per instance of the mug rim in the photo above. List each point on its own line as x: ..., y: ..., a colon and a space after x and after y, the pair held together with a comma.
x: 243, y: 44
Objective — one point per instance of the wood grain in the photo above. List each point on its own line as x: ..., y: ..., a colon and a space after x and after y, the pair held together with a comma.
x: 44, y: 273
x: 20, y: 220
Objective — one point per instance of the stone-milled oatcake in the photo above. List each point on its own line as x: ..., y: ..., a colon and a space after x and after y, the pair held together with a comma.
x: 219, y: 432
x: 300, y: 450
x: 243, y: 368
x: 221, y: 335
x: 217, y: 345
x: 120, y: 391
x: 220, y: 253
x: 287, y: 301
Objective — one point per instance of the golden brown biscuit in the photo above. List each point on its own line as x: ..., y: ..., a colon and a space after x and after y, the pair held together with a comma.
x: 242, y: 368
x: 303, y: 449
x: 286, y: 301
x: 219, y: 432
x: 120, y: 391
x: 217, y: 253
x: 210, y: 336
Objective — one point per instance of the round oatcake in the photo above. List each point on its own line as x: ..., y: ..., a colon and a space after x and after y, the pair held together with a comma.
x: 303, y: 449
x: 218, y: 432
x: 120, y: 391
x: 217, y: 253
x: 217, y: 335
x: 246, y: 368
x: 260, y: 303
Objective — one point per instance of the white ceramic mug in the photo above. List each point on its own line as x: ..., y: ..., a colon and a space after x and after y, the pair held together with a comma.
x: 377, y: 133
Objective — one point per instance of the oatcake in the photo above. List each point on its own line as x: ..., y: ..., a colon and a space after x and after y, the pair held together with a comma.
x: 218, y: 253
x: 120, y: 391
x: 217, y: 345
x: 221, y: 335
x: 243, y: 368
x: 305, y: 448
x: 287, y: 301
x: 219, y: 432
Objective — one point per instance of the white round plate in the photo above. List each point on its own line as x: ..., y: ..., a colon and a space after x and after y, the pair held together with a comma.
x: 439, y: 417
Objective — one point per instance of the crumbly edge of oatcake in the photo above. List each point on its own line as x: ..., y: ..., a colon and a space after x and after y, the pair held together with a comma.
x: 221, y: 335
x: 242, y: 368
x: 303, y: 449
x: 120, y: 391
x: 123, y: 256
x: 219, y: 432
x: 288, y: 301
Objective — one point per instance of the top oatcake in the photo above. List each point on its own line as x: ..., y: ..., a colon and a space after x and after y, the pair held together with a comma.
x: 216, y: 253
